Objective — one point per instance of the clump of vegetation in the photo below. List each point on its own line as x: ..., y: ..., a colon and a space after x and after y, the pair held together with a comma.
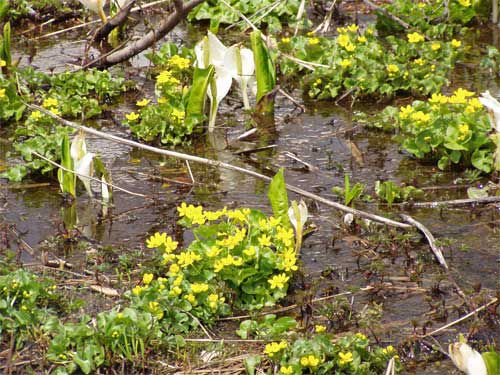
x: 451, y: 130
x: 358, y: 63
x: 433, y: 18
x: 260, y: 12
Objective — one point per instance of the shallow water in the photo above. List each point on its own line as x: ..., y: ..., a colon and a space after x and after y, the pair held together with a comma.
x: 324, y: 136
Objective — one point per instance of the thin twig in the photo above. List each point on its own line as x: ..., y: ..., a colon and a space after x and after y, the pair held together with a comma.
x: 190, y: 172
x: 89, y: 177
x: 430, y: 238
x: 465, y: 317
x: 291, y: 98
x: 458, y: 202
x: 219, y: 164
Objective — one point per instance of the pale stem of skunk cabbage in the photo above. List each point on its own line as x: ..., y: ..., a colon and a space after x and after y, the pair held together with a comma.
x: 95, y: 6
x: 467, y: 359
x: 240, y: 62
x: 298, y: 216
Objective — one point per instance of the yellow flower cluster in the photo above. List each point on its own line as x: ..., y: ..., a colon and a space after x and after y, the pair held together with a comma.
x: 420, y: 116
x: 278, y: 281
x: 179, y: 62
x: 165, y: 77
x: 345, y: 63
x: 2, y: 93
x: 275, y: 347
x: 286, y: 370
x: 214, y: 300
x: 391, y: 68
x: 345, y: 358
x: 178, y: 115
x: 52, y: 105
x: 192, y: 213
x: 310, y: 361
x: 3, y: 63
x: 415, y: 37
x: 232, y: 241
x: 344, y: 41
x: 313, y: 41
x: 187, y: 258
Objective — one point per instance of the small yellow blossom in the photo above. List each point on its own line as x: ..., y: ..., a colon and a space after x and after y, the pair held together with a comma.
x: 191, y: 298
x: 199, y: 287
x: 435, y: 46
x: 137, y: 290
x: 187, y: 258
x: 464, y: 3
x: 179, y: 62
x: 147, y: 278
x: 274, y: 347
x: 175, y: 291
x: 353, y: 28
x: 250, y: 251
x: 2, y: 94
x: 345, y: 63
x: 264, y: 240
x: 419, y: 62
x: 178, y: 280
x: 420, y: 116
x: 213, y: 251
x: 341, y: 30
x: 278, y: 281
x: 310, y: 361
x: 170, y: 245
x: 319, y: 328
x: 463, y: 129
x: 285, y: 40
x: 415, y: 37
x: 132, y: 116
x: 388, y: 350
x: 143, y: 102
x: 360, y: 336
x: 361, y: 39
x: 421, y: 5
x: 50, y: 102
x: 286, y: 370
x: 178, y: 115
x: 438, y: 99
x: 405, y: 112
x: 214, y: 300
x: 391, y: 68
x: 162, y: 100
x: 456, y: 43
x: 156, y: 240
x: 2, y: 63
x: 343, y: 40
x: 350, y: 47
x: 427, y: 138
x: 174, y: 269
x: 35, y: 115
x: 55, y: 111
x: 345, y: 358
x: 313, y: 41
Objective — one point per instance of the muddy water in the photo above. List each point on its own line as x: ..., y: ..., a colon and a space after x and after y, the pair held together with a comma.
x: 324, y: 136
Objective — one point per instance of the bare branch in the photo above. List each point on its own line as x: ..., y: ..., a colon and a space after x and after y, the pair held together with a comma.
x: 113, y: 23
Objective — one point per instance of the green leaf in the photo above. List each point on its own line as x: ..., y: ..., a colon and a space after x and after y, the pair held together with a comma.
x: 67, y: 180
x: 492, y: 361
x: 6, y: 45
x: 265, y: 72
x: 251, y: 363
x: 198, y: 93
x: 278, y: 197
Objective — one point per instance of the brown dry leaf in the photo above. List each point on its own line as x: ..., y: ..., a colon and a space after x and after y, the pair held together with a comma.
x: 110, y: 292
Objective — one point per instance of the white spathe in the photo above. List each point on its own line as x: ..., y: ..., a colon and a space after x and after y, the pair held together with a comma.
x: 84, y: 170
x: 239, y: 61
x: 78, y: 148
x: 95, y: 6
x: 467, y: 359
x: 302, y: 215
x: 493, y: 107
x: 106, y: 196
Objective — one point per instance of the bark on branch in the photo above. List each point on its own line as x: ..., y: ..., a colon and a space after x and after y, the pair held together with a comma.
x: 113, y: 23
x: 181, y: 11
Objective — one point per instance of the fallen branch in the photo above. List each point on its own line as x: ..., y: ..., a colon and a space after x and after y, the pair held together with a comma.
x: 220, y: 164
x: 387, y: 13
x: 458, y: 202
x: 113, y: 23
x: 430, y: 238
x: 180, y: 12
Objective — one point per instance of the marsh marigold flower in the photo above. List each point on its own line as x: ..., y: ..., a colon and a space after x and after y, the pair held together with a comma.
x: 132, y: 116
x: 278, y: 281
x: 415, y: 37
x: 456, y: 43
x: 143, y: 102
x: 274, y: 347
x: 345, y: 358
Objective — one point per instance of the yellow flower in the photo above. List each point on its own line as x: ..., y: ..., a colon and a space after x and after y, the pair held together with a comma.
x: 162, y: 100
x: 55, y: 111
x: 427, y: 138
x: 50, y: 102
x: 285, y: 235
x: 319, y: 328
x: 289, y: 260
x: 438, y: 99
x: 137, y: 290
x: 250, y: 251
x: 170, y: 245
x: 286, y: 370
x: 388, y: 350
x: 419, y: 62
x: 179, y: 62
x: 350, y: 47
x: 178, y: 115
x: 2, y: 63
x: 353, y: 28
x: 213, y: 251
x: 264, y: 240
x: 36, y: 115
x: 143, y: 102
x: 345, y: 63
x: 463, y: 129
x: 285, y: 40
x: 132, y: 116
x: 167, y: 258
x: 420, y: 116
x: 187, y: 258
x: 2, y: 94
x: 199, y: 287
x: 360, y: 336
x: 361, y: 39
x: 278, y: 281
x: 415, y: 37
x: 421, y: 5
x: 156, y: 240
x: 274, y: 347
x: 310, y: 361
x: 435, y: 46
x: 456, y: 43
x: 343, y: 40
x: 191, y: 298
x: 195, y: 214
x: 391, y: 68
x: 164, y: 77
x: 341, y: 30
x: 175, y: 291
x: 147, y: 278
x: 178, y: 280
x: 369, y: 31
x: 213, y: 300
x: 405, y: 112
x: 313, y: 41
x: 174, y: 269
x: 464, y: 3
x: 345, y: 358
x: 213, y: 215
